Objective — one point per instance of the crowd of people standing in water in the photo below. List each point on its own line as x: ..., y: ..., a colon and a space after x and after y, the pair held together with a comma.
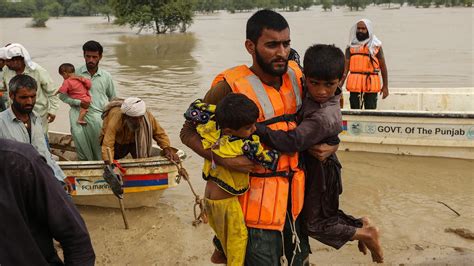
x: 268, y: 134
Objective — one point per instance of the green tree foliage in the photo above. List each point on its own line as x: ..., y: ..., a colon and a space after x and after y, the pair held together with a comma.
x: 39, y: 19
x: 305, y: 4
x: 356, y: 4
x: 17, y: 9
x: 54, y: 9
x: 208, y: 6
x: 326, y: 5
x: 160, y: 15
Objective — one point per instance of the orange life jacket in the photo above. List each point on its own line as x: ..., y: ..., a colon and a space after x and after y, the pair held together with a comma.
x: 364, y: 70
x: 265, y: 204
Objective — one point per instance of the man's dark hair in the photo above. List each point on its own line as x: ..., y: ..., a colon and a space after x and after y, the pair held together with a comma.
x: 264, y: 19
x: 235, y: 111
x: 22, y: 81
x: 66, y: 68
x: 324, y: 62
x: 92, y: 46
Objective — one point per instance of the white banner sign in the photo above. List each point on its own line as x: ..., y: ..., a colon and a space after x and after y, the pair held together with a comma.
x: 409, y: 130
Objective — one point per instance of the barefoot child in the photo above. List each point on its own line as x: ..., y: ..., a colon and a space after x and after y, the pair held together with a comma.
x: 228, y: 131
x: 76, y: 88
x: 320, y: 121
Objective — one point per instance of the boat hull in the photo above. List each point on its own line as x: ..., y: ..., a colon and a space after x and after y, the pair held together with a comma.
x: 144, y: 181
x: 419, y: 133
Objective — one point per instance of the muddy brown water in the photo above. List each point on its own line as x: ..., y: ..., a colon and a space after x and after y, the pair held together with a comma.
x: 423, y: 48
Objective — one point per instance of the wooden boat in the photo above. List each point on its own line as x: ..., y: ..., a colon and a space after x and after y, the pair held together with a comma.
x: 144, y: 181
x: 423, y: 122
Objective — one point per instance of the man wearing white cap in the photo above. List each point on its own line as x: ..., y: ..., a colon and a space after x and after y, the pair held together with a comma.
x: 19, y: 62
x: 129, y: 128
x: 364, y: 61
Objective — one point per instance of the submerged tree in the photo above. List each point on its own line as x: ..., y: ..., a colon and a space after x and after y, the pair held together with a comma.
x: 159, y: 15
x: 326, y: 5
x: 39, y: 19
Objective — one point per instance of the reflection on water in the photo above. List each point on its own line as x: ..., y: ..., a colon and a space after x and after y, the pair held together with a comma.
x: 159, y: 68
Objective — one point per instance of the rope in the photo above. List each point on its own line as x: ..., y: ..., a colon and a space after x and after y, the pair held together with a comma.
x: 198, y: 202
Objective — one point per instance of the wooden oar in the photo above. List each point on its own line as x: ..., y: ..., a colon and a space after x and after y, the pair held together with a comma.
x: 119, y: 194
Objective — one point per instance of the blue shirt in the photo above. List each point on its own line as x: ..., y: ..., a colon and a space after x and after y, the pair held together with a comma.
x: 13, y: 128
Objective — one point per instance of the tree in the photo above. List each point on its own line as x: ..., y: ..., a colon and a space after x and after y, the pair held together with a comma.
x: 55, y: 9
x: 305, y: 4
x: 207, y: 6
x: 39, y: 19
x: 159, y: 15
x: 356, y: 4
x: 326, y: 5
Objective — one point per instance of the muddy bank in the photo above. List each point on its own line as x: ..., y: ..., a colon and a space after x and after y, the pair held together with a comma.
x: 399, y: 193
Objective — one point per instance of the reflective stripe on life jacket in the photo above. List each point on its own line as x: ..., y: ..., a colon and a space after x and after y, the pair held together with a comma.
x: 265, y: 204
x: 364, y: 69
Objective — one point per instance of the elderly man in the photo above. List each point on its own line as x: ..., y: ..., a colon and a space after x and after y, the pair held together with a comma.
x: 21, y: 123
x: 19, y: 62
x: 35, y: 210
x: 364, y: 60
x: 86, y: 138
x: 129, y: 128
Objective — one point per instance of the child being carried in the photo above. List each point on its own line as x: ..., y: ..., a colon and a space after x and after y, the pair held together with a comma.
x: 227, y: 129
x: 77, y: 88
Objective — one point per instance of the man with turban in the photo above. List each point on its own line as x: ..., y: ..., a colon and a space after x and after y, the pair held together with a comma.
x: 364, y: 61
x: 129, y: 128
x: 19, y: 61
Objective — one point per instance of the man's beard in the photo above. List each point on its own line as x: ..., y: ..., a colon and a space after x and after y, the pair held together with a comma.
x: 362, y: 36
x: 17, y: 106
x: 92, y: 66
x: 131, y: 125
x: 267, y: 67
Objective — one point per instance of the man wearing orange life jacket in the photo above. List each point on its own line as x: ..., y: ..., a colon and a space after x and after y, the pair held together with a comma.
x: 364, y: 61
x: 273, y: 203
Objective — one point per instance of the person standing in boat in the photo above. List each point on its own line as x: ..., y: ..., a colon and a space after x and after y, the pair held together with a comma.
x: 19, y: 122
x: 129, y: 128
x: 86, y: 138
x: 364, y: 60
x: 272, y: 205
x: 34, y: 210
x: 19, y: 62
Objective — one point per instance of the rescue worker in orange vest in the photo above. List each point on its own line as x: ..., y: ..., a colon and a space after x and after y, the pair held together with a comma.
x: 272, y: 205
x: 364, y: 61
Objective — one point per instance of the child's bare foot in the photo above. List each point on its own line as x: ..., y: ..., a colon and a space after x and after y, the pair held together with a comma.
x: 218, y: 257
x: 362, y: 247
x: 373, y: 244
x: 365, y: 222
x: 82, y: 122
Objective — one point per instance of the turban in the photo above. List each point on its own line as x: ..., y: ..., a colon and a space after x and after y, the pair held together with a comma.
x: 16, y: 49
x: 133, y: 106
x: 372, y: 42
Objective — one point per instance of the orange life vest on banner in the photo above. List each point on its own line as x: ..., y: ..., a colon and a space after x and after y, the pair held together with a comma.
x: 265, y: 204
x: 364, y: 71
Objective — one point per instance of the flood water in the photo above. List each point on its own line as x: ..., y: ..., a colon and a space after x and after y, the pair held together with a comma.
x: 423, y: 48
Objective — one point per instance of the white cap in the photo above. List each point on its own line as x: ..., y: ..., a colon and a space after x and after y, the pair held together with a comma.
x: 3, y: 53
x: 16, y: 49
x: 133, y: 106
